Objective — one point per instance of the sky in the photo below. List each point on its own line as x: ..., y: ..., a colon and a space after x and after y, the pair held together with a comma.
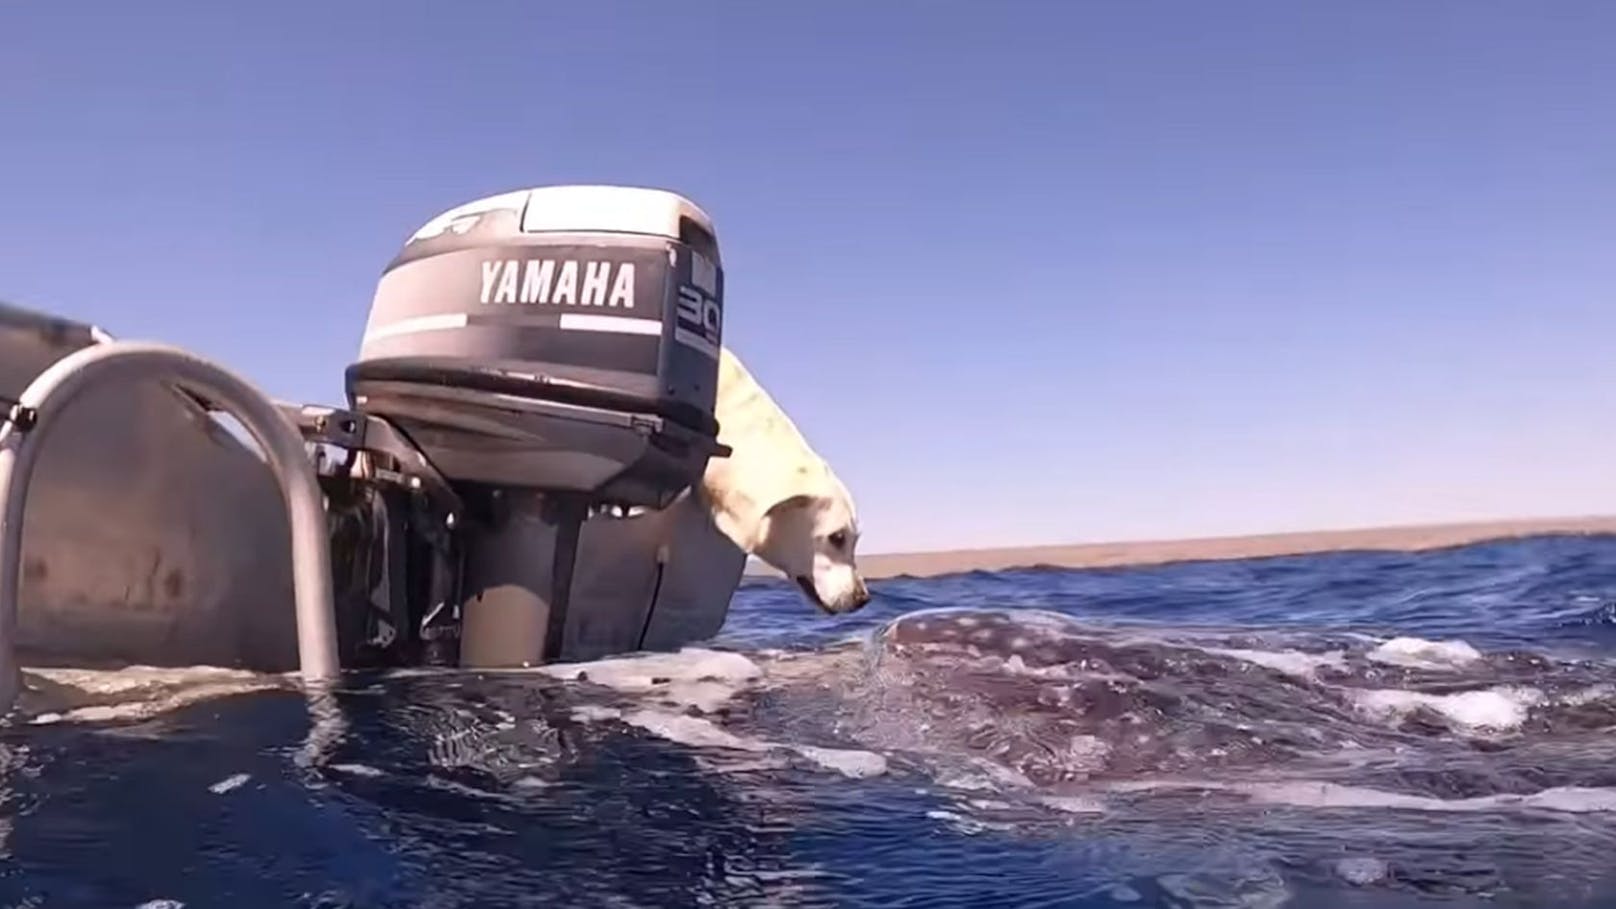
x: 1023, y: 272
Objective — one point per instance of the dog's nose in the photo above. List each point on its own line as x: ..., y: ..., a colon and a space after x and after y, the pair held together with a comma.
x: 861, y: 597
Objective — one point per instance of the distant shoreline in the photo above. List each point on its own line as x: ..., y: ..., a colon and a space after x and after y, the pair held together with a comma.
x: 1408, y: 538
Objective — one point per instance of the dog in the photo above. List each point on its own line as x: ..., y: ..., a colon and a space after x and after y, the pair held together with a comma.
x: 778, y: 500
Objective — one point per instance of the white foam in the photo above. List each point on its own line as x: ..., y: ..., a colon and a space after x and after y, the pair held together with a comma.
x: 458, y: 788
x: 850, y: 763
x: 1122, y: 893
x: 1015, y: 665
x: 1418, y: 653
x: 134, y: 692
x: 690, y: 730
x: 694, y: 677
x: 1290, y: 662
x: 645, y: 671
x: 135, y: 710
x: 1361, y: 870
x: 229, y: 783
x: 113, y: 681
x: 1576, y: 800
x: 364, y: 770
x: 765, y: 762
x: 704, y: 680
x: 1588, y: 695
x: 982, y: 776
x: 964, y: 824
x: 1500, y: 708
x: 1320, y: 794
x: 1072, y: 804
x: 697, y: 732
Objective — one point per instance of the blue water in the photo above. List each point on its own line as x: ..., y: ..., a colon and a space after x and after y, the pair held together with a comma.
x: 1127, y: 756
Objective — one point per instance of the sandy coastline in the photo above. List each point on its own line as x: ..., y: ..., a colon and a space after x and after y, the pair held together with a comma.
x: 1155, y: 552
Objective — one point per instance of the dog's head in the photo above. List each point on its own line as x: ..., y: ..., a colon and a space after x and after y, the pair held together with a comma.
x: 813, y: 538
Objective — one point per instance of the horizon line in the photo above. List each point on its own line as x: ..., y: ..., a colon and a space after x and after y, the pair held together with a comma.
x: 1412, y: 537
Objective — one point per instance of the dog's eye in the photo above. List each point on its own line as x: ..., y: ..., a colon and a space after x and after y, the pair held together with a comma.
x: 838, y: 539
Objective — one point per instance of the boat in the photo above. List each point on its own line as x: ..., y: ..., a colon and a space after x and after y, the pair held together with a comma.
x: 512, y: 480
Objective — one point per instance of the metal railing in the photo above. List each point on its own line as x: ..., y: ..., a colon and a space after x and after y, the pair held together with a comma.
x: 28, y: 427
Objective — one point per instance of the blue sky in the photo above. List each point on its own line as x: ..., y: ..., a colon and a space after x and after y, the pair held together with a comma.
x: 1025, y: 271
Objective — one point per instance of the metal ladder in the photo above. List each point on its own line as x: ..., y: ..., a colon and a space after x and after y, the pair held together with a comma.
x: 28, y: 424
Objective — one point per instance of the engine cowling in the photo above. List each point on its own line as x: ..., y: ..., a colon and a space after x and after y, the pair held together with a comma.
x: 559, y: 338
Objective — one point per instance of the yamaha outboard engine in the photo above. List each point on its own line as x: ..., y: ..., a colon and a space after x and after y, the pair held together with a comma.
x: 531, y: 359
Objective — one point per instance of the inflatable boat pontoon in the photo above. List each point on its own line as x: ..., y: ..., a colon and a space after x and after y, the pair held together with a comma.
x: 510, y: 483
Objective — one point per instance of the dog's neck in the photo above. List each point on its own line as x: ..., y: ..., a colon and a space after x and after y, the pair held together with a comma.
x: 743, y: 487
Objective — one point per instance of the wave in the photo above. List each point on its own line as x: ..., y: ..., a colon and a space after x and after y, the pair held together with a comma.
x: 1035, y: 701
x: 1231, y: 734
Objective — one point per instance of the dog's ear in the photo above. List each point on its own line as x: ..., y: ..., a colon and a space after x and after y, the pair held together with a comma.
x: 797, y: 501
x: 736, y: 516
x: 784, y: 533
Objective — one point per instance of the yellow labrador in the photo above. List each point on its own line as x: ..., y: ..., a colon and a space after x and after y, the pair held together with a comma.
x: 777, y: 499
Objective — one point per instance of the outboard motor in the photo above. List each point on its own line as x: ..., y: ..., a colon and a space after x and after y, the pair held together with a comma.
x: 531, y: 359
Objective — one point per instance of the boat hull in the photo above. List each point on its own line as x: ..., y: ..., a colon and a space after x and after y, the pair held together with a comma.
x: 155, y: 536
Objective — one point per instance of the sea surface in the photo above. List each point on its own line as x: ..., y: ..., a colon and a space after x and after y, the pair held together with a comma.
x: 1352, y: 729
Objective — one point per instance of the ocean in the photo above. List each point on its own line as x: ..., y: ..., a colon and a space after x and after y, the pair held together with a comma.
x: 1349, y: 729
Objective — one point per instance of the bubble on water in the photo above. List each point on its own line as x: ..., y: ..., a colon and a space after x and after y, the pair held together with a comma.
x: 1418, y: 653
x: 1361, y: 870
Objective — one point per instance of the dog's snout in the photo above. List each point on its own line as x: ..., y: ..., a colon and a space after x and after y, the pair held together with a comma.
x: 861, y: 597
